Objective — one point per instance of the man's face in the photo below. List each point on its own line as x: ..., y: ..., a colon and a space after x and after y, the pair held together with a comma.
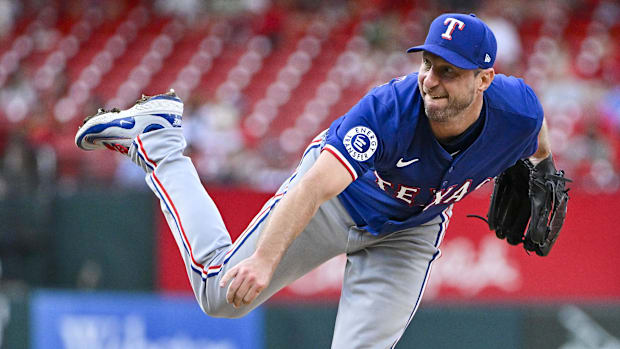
x: 446, y: 90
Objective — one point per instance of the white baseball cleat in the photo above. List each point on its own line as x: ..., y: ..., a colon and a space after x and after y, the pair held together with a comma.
x: 116, y: 129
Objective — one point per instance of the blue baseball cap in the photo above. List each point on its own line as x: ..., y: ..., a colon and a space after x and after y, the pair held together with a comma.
x: 462, y: 40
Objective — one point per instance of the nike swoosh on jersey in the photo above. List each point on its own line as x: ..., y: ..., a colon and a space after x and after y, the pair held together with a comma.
x: 402, y: 163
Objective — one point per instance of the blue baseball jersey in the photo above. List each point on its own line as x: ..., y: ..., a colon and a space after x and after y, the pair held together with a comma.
x: 402, y: 176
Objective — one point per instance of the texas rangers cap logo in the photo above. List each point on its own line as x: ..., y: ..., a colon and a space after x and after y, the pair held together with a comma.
x: 462, y: 40
x: 360, y: 142
x: 452, y: 24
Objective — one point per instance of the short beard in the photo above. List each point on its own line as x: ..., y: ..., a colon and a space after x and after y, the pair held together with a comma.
x: 448, y: 113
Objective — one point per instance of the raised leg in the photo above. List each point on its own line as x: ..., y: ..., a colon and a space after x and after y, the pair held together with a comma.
x: 200, y: 233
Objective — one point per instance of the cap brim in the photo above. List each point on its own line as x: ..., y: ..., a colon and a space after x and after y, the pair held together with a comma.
x: 450, y: 56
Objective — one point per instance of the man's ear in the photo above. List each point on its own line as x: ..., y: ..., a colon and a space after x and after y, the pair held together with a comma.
x: 486, y: 77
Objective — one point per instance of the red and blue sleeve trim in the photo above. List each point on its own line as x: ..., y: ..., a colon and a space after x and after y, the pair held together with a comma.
x: 330, y: 148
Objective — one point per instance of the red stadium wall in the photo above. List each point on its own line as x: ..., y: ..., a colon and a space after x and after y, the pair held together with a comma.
x: 475, y: 265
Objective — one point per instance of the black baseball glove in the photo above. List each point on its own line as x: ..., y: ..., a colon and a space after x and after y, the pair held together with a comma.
x: 524, y: 194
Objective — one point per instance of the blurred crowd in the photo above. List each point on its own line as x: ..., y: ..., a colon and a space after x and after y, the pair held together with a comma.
x: 568, y: 51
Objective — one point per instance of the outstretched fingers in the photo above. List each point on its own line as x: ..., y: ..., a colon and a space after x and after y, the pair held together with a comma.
x: 242, y: 285
x: 243, y: 288
x: 231, y: 292
x: 228, y: 276
x: 251, y: 295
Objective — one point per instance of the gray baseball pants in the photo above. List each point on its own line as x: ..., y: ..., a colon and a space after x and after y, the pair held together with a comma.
x: 384, y: 276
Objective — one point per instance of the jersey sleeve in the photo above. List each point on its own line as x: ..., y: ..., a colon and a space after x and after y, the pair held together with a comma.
x: 356, y: 138
x: 532, y: 141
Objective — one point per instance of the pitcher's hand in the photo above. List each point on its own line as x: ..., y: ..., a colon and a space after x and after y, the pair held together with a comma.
x: 249, y: 279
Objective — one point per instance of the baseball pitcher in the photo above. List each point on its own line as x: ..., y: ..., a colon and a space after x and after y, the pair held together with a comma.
x: 378, y: 185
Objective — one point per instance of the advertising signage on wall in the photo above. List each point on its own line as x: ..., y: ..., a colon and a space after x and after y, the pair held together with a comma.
x: 71, y: 320
x: 474, y: 264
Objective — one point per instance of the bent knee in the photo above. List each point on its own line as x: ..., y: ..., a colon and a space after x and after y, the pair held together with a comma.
x: 224, y: 310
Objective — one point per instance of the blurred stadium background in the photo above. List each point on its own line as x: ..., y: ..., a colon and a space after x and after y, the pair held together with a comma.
x: 86, y: 261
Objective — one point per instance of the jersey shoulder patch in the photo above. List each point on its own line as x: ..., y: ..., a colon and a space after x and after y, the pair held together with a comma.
x: 360, y: 142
